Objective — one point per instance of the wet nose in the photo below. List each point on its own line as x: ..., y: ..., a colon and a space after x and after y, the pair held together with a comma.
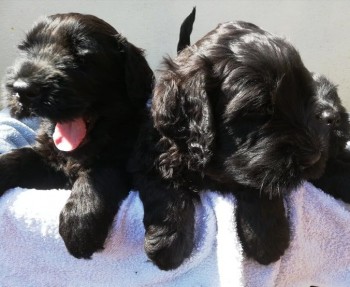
x: 25, y: 89
x: 329, y: 117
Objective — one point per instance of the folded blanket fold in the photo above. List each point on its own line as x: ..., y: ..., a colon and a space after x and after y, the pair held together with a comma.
x: 15, y: 134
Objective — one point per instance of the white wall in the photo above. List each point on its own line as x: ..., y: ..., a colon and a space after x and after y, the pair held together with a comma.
x: 320, y: 30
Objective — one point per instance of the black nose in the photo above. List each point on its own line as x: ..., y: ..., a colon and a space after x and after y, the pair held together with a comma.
x: 329, y: 117
x: 25, y: 89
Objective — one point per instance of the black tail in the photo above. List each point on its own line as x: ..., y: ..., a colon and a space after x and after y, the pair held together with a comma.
x: 186, y: 30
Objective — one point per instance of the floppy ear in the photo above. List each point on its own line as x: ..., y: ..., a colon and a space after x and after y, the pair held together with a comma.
x: 138, y: 75
x: 181, y: 113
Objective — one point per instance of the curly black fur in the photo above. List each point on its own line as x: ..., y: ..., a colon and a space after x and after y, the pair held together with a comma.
x: 235, y: 112
x: 69, y: 66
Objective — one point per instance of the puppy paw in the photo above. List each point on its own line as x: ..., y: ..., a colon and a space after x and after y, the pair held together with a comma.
x: 263, y: 230
x: 82, y: 233
x: 168, y: 249
x: 266, y: 249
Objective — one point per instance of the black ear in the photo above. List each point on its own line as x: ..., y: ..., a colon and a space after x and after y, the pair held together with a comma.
x: 181, y: 113
x: 138, y: 75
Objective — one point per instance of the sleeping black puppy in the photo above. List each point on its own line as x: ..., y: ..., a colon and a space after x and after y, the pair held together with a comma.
x: 237, y: 112
x: 90, y: 86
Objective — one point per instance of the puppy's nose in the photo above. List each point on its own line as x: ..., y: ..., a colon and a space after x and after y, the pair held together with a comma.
x: 25, y: 89
x: 329, y: 117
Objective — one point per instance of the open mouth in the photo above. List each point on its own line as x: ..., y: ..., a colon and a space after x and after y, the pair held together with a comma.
x: 69, y: 135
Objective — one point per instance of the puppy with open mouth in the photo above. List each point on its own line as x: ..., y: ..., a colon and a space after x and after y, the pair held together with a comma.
x: 90, y: 87
x: 237, y: 112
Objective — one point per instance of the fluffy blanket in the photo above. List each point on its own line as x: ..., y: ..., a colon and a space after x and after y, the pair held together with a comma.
x: 33, y: 254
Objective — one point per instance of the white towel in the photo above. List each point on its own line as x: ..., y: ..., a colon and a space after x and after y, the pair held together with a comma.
x: 32, y: 254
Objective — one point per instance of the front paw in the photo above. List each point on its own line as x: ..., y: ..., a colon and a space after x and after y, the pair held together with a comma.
x: 83, y: 232
x: 168, y: 248
x: 263, y: 232
x: 267, y: 247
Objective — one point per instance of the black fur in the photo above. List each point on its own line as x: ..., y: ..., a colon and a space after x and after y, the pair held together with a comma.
x: 236, y: 112
x: 75, y: 65
x: 336, y: 177
x: 186, y: 30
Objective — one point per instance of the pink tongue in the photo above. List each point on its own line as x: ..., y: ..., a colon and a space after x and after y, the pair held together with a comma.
x: 68, y: 136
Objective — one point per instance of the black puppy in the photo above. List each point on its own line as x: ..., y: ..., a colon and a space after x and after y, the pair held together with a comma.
x: 90, y: 86
x: 235, y: 112
x: 336, y: 177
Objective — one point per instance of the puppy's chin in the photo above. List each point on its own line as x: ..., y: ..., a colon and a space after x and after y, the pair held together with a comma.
x: 21, y: 107
x: 18, y: 111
